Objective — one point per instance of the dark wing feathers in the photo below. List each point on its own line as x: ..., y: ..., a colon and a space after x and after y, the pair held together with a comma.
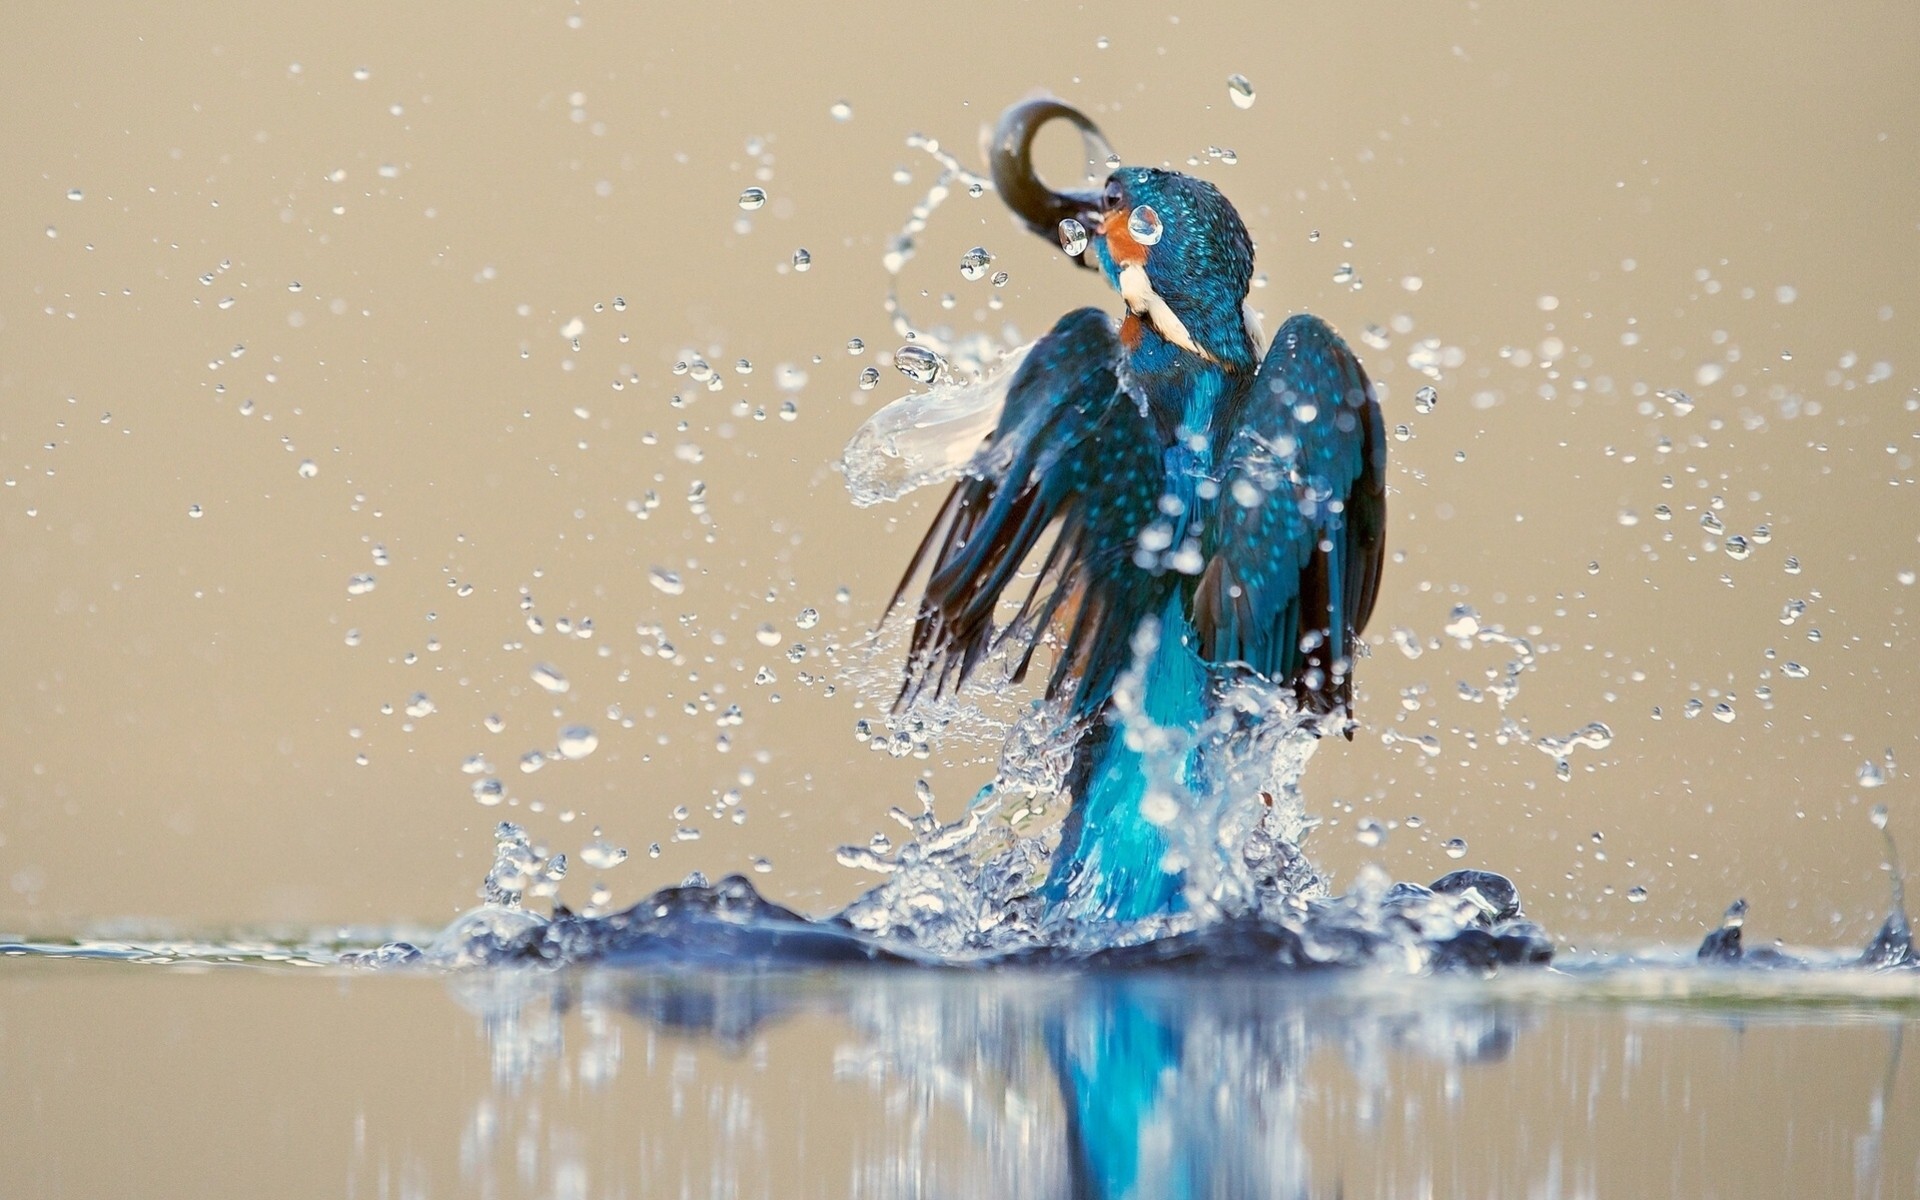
x: 1298, y: 534
x: 1071, y: 452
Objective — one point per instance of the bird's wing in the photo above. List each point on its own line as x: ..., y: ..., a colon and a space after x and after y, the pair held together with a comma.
x: 1072, y: 449
x: 1298, y: 530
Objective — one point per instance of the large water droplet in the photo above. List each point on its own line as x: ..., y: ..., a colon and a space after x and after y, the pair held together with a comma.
x: 1073, y: 237
x: 974, y: 263
x: 753, y: 198
x: 1240, y: 91
x: 577, y: 742
x: 601, y: 854
x: 918, y: 363
x: 1144, y: 224
x: 666, y: 581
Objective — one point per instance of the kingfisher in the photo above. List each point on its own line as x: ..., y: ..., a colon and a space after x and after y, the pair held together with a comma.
x: 1216, y: 512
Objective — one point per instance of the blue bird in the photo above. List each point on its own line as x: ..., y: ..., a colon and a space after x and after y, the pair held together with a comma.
x: 1215, y: 512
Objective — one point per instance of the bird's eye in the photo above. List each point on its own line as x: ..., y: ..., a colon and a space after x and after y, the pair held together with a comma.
x: 1111, y: 198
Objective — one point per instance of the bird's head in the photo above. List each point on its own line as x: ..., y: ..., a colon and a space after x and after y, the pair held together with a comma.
x: 1171, y: 245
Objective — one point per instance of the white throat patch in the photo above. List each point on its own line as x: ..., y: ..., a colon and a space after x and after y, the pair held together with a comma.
x: 1141, y: 300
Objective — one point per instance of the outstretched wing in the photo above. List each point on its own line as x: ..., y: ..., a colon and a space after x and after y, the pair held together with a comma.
x: 1298, y: 531
x: 1073, y: 450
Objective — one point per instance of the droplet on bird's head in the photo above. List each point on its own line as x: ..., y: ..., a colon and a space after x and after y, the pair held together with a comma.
x: 1240, y: 91
x: 1144, y: 224
x: 1073, y: 237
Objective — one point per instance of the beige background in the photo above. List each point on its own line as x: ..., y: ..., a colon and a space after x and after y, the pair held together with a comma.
x: 177, y: 742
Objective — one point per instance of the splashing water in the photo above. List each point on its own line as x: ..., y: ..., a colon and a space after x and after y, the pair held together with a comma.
x: 969, y: 891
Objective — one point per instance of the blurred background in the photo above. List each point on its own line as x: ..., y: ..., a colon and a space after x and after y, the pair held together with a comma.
x: 359, y: 487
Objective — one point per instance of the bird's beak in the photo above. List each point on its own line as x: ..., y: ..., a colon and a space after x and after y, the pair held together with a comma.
x: 1011, y: 159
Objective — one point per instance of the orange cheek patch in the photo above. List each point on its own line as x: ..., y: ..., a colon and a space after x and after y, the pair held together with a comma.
x: 1121, y: 247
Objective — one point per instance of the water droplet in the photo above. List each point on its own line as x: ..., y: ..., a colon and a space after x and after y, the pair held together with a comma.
x: 1762, y: 534
x: 753, y: 198
x: 974, y: 263
x: 1636, y: 895
x: 666, y: 581
x: 601, y: 854
x: 1073, y: 237
x: 802, y: 260
x: 419, y: 705
x: 1680, y: 402
x: 1723, y: 713
x: 1870, y: 775
x: 549, y: 677
x: 1462, y: 622
x: 532, y: 761
x: 194, y: 511
x: 841, y: 111
x: 869, y: 378
x: 360, y: 585
x: 1878, y: 816
x: 1738, y: 549
x: 1144, y: 224
x: 308, y: 468
x: 1455, y: 847
x: 1240, y: 91
x: 808, y: 618
x: 918, y: 363
x: 1792, y: 565
x: 577, y: 742
x: 489, y: 791
x: 76, y: 194
x: 1425, y: 399
x: 1793, y: 670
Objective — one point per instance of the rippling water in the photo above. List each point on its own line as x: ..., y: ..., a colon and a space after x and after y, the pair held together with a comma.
x: 665, y: 1075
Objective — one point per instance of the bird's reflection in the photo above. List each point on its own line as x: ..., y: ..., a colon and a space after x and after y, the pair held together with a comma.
x: 1103, y: 1084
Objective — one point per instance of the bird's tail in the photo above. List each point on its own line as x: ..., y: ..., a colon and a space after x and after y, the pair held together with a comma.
x: 1116, y: 860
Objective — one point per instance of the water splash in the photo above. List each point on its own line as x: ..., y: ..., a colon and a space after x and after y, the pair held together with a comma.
x: 927, y: 437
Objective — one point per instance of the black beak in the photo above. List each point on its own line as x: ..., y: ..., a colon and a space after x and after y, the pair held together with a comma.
x: 1011, y: 160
